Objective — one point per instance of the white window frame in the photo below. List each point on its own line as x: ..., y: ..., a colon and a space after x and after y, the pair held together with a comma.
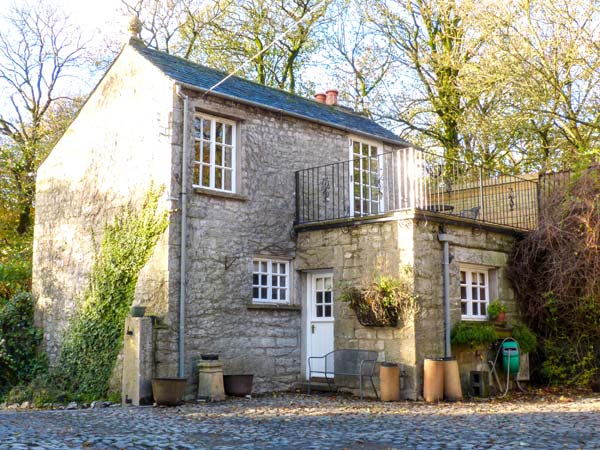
x: 353, y: 211
x: 468, y: 285
x: 212, y: 165
x: 269, y: 286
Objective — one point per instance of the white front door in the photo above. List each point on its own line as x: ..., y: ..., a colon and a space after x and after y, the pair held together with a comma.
x: 320, y: 317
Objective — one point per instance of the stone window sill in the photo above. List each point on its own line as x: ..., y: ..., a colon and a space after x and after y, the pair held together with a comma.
x: 274, y: 306
x: 224, y: 195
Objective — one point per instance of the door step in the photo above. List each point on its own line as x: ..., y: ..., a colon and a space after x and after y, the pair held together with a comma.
x: 315, y: 386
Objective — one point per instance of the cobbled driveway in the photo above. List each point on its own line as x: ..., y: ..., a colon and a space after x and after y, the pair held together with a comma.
x: 317, y: 422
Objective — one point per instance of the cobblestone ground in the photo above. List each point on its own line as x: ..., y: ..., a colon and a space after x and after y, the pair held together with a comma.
x: 317, y: 422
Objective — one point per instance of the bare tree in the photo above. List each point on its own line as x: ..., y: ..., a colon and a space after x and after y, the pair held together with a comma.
x: 174, y: 26
x: 360, y: 59
x: 38, y: 50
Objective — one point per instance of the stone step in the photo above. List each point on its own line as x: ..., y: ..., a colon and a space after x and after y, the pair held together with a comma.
x: 315, y: 386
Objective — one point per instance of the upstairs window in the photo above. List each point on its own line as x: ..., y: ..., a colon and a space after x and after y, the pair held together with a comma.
x: 270, y: 281
x: 214, y: 153
x: 474, y: 293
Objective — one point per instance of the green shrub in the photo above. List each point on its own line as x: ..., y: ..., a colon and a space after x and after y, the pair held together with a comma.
x: 525, y: 337
x: 473, y: 334
x: 19, y: 341
x: 39, y: 392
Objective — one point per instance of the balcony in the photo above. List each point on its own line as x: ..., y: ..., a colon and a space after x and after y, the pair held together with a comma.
x: 414, y: 180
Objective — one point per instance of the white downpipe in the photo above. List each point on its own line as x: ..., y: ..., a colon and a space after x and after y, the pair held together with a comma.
x: 183, y: 241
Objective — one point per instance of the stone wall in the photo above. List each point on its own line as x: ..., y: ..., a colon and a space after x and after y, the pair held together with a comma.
x: 118, y: 144
x: 357, y: 252
x: 470, y: 245
x: 226, y: 231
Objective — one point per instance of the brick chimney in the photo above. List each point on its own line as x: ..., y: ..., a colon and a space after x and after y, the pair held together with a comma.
x: 332, y: 97
x: 320, y: 97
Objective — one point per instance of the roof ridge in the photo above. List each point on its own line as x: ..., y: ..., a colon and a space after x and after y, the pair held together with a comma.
x: 250, y: 92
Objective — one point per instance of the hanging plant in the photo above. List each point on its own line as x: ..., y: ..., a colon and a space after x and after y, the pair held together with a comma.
x: 383, y: 302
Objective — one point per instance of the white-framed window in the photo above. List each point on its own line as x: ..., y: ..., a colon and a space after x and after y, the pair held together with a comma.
x: 270, y: 281
x: 214, y: 153
x: 366, y: 174
x: 474, y: 292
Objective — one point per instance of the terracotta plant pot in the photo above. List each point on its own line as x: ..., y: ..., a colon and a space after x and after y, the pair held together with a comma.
x: 238, y: 385
x: 168, y: 391
x: 501, y: 317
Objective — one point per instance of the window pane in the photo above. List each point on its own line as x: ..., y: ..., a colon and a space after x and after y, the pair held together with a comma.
x: 328, y: 311
x: 482, y: 294
x: 274, y: 294
x: 327, y: 297
x: 473, y: 277
x: 263, y: 266
x: 356, y: 147
x: 205, y: 176
x: 263, y: 293
x: 197, y: 153
x: 475, y: 308
x: 196, y: 174
x: 481, y: 279
x: 274, y: 281
x: 474, y: 294
x: 319, y: 284
x: 319, y: 310
x: 255, y: 265
x: 228, y: 134
x: 483, y: 307
x: 218, y: 178
x: 328, y: 284
x: 463, y: 308
x: 205, y: 152
x: 218, y: 132
x: 463, y: 292
x: 282, y: 294
x: 282, y: 282
x: 227, y: 151
x: 218, y: 155
x: 365, y: 150
x: 463, y: 277
x: 228, y: 186
x: 263, y: 280
x: 255, y: 278
x: 206, y: 129
x: 319, y: 297
x: 255, y: 292
x: 197, y: 127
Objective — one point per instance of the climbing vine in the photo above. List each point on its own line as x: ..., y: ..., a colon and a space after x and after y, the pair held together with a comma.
x: 95, y: 336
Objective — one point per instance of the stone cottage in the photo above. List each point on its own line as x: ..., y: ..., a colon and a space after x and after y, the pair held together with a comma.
x: 274, y: 200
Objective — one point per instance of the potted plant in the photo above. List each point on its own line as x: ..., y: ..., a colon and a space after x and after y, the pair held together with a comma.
x: 497, y: 311
x: 382, y: 302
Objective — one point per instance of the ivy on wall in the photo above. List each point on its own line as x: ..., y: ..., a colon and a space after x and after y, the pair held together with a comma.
x: 95, y: 335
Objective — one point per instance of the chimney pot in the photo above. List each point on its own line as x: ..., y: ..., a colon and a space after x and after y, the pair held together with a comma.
x: 320, y: 97
x: 332, y: 96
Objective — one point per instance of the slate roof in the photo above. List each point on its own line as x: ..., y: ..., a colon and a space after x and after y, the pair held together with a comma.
x: 245, y: 91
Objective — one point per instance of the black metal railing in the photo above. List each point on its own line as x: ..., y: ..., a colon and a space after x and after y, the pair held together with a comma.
x: 410, y: 179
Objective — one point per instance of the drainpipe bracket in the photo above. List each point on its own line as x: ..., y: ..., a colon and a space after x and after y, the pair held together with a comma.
x: 445, y: 237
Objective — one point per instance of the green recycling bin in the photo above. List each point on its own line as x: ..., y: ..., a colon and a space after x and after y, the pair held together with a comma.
x: 510, y: 356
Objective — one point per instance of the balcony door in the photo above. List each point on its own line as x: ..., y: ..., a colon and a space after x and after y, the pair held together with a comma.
x: 366, y: 169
